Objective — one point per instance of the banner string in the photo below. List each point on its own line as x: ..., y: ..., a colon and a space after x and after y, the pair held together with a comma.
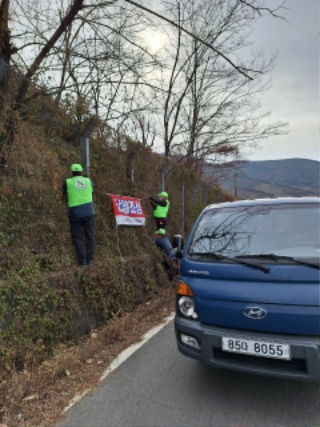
x: 120, y: 195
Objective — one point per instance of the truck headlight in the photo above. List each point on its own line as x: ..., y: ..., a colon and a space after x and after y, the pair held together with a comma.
x: 185, y: 301
x: 186, y: 306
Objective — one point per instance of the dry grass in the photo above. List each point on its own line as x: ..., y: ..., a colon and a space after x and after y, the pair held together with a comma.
x: 38, y: 396
x: 43, y: 298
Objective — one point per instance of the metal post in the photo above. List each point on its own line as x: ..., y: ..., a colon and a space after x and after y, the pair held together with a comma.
x: 85, y: 143
x: 160, y: 181
x: 85, y: 152
x: 235, y: 185
x: 162, y: 174
x: 194, y: 194
x: 205, y: 196
x: 3, y: 70
x: 182, y: 208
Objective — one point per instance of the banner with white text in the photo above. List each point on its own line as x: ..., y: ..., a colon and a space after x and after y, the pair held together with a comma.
x: 127, y: 210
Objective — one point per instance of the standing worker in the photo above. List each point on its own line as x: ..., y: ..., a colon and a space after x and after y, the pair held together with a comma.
x: 78, y: 191
x: 161, y: 207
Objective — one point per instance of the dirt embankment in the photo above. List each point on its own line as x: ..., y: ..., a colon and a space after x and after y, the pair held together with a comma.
x: 37, y: 397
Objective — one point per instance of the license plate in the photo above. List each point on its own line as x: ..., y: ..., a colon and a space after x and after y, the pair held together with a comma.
x: 256, y: 348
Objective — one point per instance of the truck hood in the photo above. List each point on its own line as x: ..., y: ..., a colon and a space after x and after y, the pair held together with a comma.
x: 287, y: 295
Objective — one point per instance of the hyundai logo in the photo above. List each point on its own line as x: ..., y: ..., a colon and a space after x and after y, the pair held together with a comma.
x: 255, y: 312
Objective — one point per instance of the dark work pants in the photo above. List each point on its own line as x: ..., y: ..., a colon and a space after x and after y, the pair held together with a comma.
x: 161, y: 223
x: 82, y: 233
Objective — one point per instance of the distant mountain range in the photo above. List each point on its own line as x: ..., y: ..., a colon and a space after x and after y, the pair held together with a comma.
x: 273, y: 178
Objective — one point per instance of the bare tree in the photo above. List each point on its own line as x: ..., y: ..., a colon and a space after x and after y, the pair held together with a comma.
x: 91, y: 53
x: 6, y: 47
x: 71, y: 59
x: 210, y: 110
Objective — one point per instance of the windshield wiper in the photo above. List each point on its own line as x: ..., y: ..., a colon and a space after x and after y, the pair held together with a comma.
x: 278, y: 258
x: 227, y: 258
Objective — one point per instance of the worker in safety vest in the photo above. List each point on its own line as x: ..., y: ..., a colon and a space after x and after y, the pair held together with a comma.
x: 169, y: 254
x: 162, y: 242
x: 161, y: 207
x: 78, y: 191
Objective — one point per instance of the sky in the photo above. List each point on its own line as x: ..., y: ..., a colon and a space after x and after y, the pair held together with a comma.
x: 294, y: 93
x: 293, y: 96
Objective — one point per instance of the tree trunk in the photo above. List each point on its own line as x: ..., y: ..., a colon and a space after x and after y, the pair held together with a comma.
x: 8, y: 136
x: 67, y: 20
x: 6, y: 49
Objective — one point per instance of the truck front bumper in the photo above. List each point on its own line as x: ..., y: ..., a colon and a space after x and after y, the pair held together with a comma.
x: 204, y: 343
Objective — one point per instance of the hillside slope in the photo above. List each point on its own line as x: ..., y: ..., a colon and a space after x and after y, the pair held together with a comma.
x: 45, y: 299
x: 274, y: 178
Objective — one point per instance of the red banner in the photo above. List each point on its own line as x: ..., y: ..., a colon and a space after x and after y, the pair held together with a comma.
x: 127, y: 210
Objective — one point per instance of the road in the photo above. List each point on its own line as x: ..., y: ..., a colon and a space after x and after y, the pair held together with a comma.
x: 157, y: 386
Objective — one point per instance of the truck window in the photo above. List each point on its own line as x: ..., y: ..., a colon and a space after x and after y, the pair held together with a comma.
x: 283, y: 229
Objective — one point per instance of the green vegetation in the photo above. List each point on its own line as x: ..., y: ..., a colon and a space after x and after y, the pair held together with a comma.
x: 45, y: 299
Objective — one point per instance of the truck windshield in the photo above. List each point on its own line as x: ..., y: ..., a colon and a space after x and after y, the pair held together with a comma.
x: 281, y: 229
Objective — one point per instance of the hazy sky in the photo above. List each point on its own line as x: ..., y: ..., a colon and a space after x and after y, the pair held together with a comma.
x: 294, y: 95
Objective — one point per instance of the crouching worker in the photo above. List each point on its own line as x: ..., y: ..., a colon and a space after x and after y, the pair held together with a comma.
x: 169, y: 259
x: 162, y: 242
x: 78, y: 191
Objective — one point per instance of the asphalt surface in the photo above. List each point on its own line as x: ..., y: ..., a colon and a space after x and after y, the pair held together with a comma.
x: 157, y: 386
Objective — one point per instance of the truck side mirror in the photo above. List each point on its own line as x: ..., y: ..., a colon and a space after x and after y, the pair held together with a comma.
x: 177, y: 242
x: 179, y: 254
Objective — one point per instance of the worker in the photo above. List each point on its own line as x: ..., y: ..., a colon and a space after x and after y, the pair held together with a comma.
x: 78, y: 191
x: 161, y: 207
x: 162, y: 241
x: 169, y: 254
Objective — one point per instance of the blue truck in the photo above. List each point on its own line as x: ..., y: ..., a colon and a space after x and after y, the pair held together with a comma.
x: 248, y: 297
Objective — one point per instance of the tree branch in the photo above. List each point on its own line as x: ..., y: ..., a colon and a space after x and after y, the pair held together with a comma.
x: 158, y: 15
x: 66, y: 21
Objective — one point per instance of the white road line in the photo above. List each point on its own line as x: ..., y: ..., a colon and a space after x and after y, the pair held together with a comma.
x: 122, y: 357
